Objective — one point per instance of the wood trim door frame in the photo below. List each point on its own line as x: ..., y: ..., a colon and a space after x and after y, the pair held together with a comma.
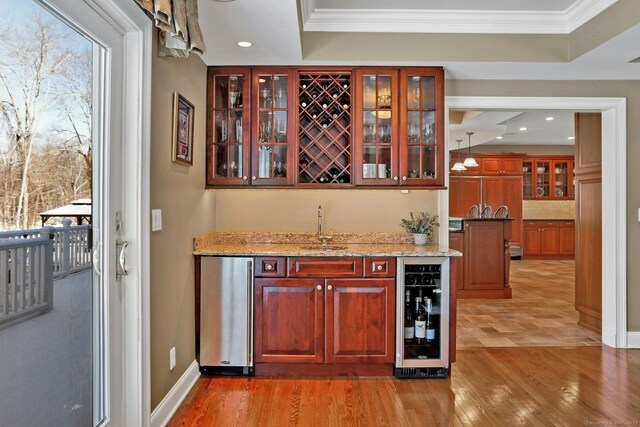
x: 614, y: 170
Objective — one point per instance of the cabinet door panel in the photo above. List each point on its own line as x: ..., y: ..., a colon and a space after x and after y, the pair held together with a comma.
x: 483, y: 246
x: 512, y: 166
x: 512, y: 198
x: 360, y: 321
x: 463, y: 193
x: 289, y: 316
x: 567, y: 241
x: 549, y: 241
x: 531, y: 237
x: 492, y: 192
x: 490, y: 166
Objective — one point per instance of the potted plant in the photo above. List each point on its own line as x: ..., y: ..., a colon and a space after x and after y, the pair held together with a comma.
x: 421, y: 225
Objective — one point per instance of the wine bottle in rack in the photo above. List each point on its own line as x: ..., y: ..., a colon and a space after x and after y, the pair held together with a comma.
x: 325, y: 122
x: 420, y: 321
x: 430, y: 331
x: 335, y: 173
x: 344, y: 178
x: 409, y: 326
x: 304, y: 101
x: 324, y: 178
x: 304, y: 162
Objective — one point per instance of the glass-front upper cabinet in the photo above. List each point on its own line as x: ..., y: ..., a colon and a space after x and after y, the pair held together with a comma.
x: 228, y: 104
x: 376, y: 127
x: 273, y: 139
x: 548, y: 177
x: 421, y: 127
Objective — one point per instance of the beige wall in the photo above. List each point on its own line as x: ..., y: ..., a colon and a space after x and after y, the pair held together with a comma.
x: 296, y: 210
x: 187, y: 210
x: 626, y: 89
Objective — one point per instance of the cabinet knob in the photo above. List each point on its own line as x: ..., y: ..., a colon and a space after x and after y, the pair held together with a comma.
x: 244, y: 177
x: 319, y: 287
x: 329, y: 287
x: 404, y: 178
x: 253, y: 178
x: 395, y: 178
x: 379, y: 267
x: 268, y: 267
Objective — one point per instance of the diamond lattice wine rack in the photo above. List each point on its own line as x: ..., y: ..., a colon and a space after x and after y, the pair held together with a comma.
x: 324, y: 130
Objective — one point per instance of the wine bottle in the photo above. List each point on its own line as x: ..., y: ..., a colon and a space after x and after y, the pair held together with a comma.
x: 420, y: 321
x: 334, y: 172
x: 409, y: 327
x: 430, y: 331
x: 324, y: 178
x: 343, y: 179
x: 304, y: 162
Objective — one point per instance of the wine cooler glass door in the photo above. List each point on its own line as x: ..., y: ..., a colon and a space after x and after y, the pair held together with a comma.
x: 422, y: 335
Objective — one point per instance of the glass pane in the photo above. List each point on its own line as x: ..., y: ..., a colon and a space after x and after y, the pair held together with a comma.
x: 383, y: 167
x: 280, y: 127
x: 264, y: 126
x: 428, y: 128
x: 220, y: 161
x: 280, y: 91
x: 413, y: 160
x: 413, y: 92
x: 384, y: 130
x: 527, y: 179
x: 222, y: 134
x: 369, y: 92
x: 235, y: 161
x: 543, y: 174
x: 428, y: 93
x: 221, y: 92
x: 264, y: 91
x: 369, y: 157
x: 235, y: 91
x: 236, y: 126
x: 384, y: 92
x: 264, y: 161
x: 413, y: 127
x: 561, y: 179
x: 428, y: 162
x: 369, y: 127
x: 280, y: 161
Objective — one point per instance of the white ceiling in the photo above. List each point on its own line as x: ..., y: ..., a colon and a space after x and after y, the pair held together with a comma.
x: 487, y: 125
x: 273, y: 28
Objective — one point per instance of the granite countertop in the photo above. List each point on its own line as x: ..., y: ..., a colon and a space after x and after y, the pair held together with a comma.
x: 548, y: 219
x: 297, y: 244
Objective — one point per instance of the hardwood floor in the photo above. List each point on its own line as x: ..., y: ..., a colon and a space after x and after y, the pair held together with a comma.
x: 541, y: 312
x: 488, y: 387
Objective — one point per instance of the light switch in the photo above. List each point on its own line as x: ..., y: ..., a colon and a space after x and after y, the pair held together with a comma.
x: 156, y: 219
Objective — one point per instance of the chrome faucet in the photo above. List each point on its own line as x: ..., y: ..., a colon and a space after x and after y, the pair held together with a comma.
x: 323, y: 238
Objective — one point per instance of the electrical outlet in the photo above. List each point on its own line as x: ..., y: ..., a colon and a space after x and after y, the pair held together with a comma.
x: 172, y: 358
x: 156, y: 219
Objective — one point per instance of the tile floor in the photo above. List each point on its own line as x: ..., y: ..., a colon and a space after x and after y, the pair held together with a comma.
x: 540, y: 314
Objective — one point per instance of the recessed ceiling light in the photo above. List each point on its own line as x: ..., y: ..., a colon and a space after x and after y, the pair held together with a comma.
x: 498, y: 137
x: 550, y: 118
x: 523, y: 129
x: 244, y: 44
x: 572, y: 137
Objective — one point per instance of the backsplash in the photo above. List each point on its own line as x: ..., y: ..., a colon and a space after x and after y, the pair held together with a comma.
x: 548, y: 209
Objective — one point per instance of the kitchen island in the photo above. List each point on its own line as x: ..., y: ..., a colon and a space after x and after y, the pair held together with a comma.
x: 320, y: 309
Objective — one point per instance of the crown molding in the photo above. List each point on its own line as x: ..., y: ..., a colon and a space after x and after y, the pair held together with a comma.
x: 450, y: 21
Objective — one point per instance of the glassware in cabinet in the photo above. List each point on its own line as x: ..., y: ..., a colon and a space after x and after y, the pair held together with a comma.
x: 376, y: 127
x: 272, y: 145
x: 421, y: 127
x: 228, y: 110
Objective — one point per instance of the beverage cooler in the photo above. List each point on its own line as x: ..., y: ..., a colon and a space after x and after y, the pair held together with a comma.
x: 422, y: 317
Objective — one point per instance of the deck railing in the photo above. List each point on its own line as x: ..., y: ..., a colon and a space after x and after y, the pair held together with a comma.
x: 31, y: 259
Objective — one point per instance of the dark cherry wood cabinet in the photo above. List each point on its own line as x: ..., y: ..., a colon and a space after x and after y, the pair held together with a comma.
x: 359, y: 325
x: 506, y: 191
x: 326, y: 312
x: 501, y: 165
x: 549, y: 239
x: 326, y: 127
x: 289, y: 321
x: 464, y: 193
x: 228, y: 126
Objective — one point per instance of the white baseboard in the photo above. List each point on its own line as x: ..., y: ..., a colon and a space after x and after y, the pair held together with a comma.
x: 633, y: 339
x: 164, y: 411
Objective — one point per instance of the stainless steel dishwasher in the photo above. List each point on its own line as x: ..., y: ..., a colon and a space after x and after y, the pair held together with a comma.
x: 226, y: 316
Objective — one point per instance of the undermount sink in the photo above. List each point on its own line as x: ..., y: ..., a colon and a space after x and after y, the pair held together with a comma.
x: 324, y: 247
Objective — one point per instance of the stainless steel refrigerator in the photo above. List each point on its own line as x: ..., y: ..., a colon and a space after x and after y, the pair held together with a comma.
x: 226, y: 316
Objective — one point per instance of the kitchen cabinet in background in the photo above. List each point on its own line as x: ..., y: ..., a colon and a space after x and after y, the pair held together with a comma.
x: 549, y: 239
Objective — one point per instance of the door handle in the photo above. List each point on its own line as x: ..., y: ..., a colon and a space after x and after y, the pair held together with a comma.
x: 97, y: 248
x: 121, y: 267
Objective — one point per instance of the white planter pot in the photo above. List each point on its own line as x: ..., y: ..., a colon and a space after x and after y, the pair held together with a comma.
x: 420, y: 239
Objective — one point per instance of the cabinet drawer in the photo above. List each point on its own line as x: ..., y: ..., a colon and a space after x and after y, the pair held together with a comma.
x: 325, y: 267
x: 379, y: 267
x: 270, y: 267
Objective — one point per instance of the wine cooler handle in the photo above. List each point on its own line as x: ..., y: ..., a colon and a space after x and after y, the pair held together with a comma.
x: 250, y: 312
x: 329, y: 287
x: 319, y: 287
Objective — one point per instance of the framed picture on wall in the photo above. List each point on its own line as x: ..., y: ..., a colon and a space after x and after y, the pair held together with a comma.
x: 182, y: 147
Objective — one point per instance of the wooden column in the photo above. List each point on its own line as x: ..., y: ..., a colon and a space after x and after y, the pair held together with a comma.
x: 588, y: 182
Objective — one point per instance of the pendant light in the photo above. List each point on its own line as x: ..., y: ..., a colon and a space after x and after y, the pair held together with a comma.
x: 470, y: 162
x: 458, y: 166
